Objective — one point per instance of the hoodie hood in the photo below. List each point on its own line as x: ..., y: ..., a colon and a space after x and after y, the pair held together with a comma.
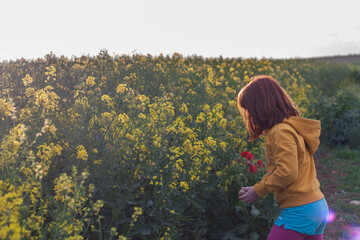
x: 309, y: 129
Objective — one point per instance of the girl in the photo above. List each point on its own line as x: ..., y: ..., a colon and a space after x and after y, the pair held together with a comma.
x: 290, y: 144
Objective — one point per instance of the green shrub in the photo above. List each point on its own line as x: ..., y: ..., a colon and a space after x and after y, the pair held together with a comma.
x: 340, y: 117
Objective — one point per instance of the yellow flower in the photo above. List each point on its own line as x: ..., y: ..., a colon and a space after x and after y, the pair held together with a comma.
x: 97, y: 162
x: 7, y: 107
x: 46, y: 152
x: 185, y: 186
x: 121, y: 88
x: 50, y: 73
x: 172, y: 185
x: 107, y: 99
x: 232, y: 103
x: 200, y: 118
x: 210, y: 142
x: 113, y: 231
x: 158, y: 183
x: 97, y: 206
x: 27, y: 80
x: 47, y: 98
x: 187, y: 146
x: 184, y: 108
x: 246, y: 79
x: 142, y: 98
x: 90, y: 81
x: 230, y: 91
x: 137, y: 212
x: 142, y: 116
x: 223, y: 146
x: 81, y: 153
x: 206, y: 108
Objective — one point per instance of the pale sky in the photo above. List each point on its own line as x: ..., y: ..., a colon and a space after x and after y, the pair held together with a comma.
x: 231, y: 28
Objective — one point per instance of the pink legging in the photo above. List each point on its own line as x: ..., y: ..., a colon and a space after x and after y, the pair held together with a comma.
x: 280, y: 233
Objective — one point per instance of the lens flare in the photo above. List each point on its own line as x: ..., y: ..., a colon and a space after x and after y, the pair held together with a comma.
x: 353, y: 233
x: 331, y: 216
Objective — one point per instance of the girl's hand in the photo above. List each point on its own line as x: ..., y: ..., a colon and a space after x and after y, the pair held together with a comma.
x: 241, y: 192
x: 249, y: 195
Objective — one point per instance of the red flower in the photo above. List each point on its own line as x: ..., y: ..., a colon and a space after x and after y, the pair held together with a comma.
x: 244, y: 154
x: 259, y: 163
x: 249, y: 157
x: 252, y: 168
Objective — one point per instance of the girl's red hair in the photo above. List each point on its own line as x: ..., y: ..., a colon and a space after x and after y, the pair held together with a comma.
x: 264, y: 103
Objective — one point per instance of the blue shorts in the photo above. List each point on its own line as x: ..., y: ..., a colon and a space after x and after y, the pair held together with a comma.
x: 310, y: 219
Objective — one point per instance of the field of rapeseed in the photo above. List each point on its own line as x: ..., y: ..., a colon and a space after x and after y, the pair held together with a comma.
x: 140, y: 147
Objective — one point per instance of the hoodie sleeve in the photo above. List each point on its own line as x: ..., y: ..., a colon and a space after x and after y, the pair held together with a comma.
x: 284, y: 149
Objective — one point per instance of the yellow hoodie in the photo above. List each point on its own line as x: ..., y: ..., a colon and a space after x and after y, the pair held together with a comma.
x: 291, y: 173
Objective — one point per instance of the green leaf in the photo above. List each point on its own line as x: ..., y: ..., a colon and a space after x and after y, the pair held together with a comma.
x: 116, y: 212
x: 254, y: 212
x: 230, y: 236
x: 149, y: 203
x: 239, y: 208
x: 125, y: 220
x: 134, y: 202
x: 216, y: 233
x: 144, y: 229
x: 241, y: 230
x: 196, y: 204
x: 254, y: 236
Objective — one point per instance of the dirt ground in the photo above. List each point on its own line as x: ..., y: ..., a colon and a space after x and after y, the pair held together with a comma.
x: 339, y: 228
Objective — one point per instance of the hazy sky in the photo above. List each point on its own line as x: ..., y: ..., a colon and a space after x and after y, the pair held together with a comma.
x: 231, y: 28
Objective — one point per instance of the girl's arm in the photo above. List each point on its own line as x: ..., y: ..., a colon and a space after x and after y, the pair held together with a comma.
x: 284, y: 153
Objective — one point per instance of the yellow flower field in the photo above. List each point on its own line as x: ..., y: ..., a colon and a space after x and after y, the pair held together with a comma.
x: 137, y: 147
